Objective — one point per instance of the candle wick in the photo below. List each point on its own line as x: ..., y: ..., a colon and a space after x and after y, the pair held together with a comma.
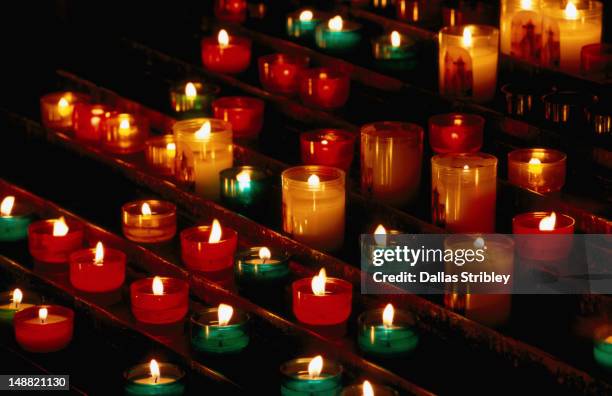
x: 42, y: 321
x: 155, y: 379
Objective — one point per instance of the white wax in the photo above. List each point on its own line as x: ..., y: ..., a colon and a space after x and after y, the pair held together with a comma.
x: 151, y: 381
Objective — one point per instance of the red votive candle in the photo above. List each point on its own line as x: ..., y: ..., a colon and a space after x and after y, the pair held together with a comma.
x: 97, y: 270
x: 243, y: 112
x: 89, y: 120
x: 280, y: 73
x: 596, y: 58
x: 225, y: 54
x: 52, y: 241
x: 322, y: 301
x: 231, y: 10
x: 331, y: 147
x: 324, y: 88
x: 456, y: 133
x: 57, y: 109
x: 543, y: 236
x: 44, y: 328
x: 159, y: 300
x: 209, y: 248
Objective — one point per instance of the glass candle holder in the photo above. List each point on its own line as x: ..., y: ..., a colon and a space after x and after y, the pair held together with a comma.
x: 97, y: 270
x: 456, y: 133
x: 226, y: 54
x: 596, y: 60
x: 394, y: 51
x: 15, y: 218
x: 44, y: 328
x: 49, y: 243
x: 314, y: 200
x: 567, y: 108
x: 391, y: 161
x: 387, y: 337
x: 468, y: 57
x: 244, y: 189
x: 140, y: 382
x: 568, y: 27
x: 149, y: 221
x: 296, y: 380
x: 600, y: 120
x: 57, y: 108
x: 302, y: 23
x: 89, y: 120
x: 534, y: 241
x: 14, y: 301
x: 210, y: 335
x: 160, y: 153
x: 524, y: 99
x: 258, y: 266
x: 602, y: 349
x: 331, y: 307
x: 199, y: 254
x: 325, y: 88
x: 338, y: 35
x: 521, y: 31
x: 191, y: 99
x: 538, y: 169
x: 125, y: 133
x: 330, y: 147
x: 464, y: 192
x: 157, y: 305
x: 244, y: 113
x: 280, y: 73
x: 203, y: 149
x: 358, y: 390
x: 231, y: 10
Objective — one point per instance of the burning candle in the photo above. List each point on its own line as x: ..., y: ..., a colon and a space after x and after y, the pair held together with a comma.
x: 203, y: 149
x: 324, y: 88
x: 97, y: 270
x: 52, y: 241
x: 219, y: 330
x: 244, y: 113
x: 160, y: 379
x: 314, y: 200
x: 521, y: 29
x: 193, y: 98
x: 596, y: 60
x: 368, y: 389
x: 159, y: 300
x: 244, y: 189
x: 330, y: 147
x: 209, y: 248
x: 43, y: 328
x: 456, y: 133
x: 322, y: 301
x: 89, y: 120
x: 543, y: 236
x: 302, y: 23
x: 57, y: 108
x: 602, y: 350
x: 387, y: 332
x: 468, y: 57
x: 394, y: 50
x: 280, y: 73
x: 125, y: 133
x: 464, y: 191
x: 391, y: 161
x: 538, y: 169
x: 14, y: 220
x: 231, y: 10
x: 149, y: 221
x: 310, y: 377
x: 225, y: 54
x: 258, y: 266
x: 11, y: 303
x: 160, y: 153
x: 338, y: 35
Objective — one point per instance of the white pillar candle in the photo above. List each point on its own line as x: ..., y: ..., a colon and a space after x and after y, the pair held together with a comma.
x: 520, y: 26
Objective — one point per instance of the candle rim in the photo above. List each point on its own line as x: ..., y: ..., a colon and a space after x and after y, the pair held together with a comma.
x: 160, y: 209
x: 332, y: 368
x: 253, y: 253
x: 522, y: 157
x: 202, y: 87
x: 379, y: 389
x: 486, y: 161
x: 142, y: 370
x: 200, y: 234
x: 239, y: 318
x: 332, y: 73
x: 188, y: 128
x: 477, y: 30
x: 234, y: 41
x: 20, y: 209
x: 373, y: 318
x: 563, y: 221
x: 327, y: 175
x: 86, y: 256
x: 29, y: 297
x: 592, y: 9
x: 447, y: 119
x: 45, y: 227
x: 348, y: 25
x: 317, y: 135
x: 332, y: 284
x: 32, y: 313
x: 171, y: 285
x: 238, y: 103
x: 55, y: 96
x: 285, y: 59
x: 394, y: 130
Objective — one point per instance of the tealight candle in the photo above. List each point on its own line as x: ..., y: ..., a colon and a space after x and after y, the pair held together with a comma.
x: 302, y: 23
x: 596, y: 60
x: 456, y: 133
x: 11, y: 303
x: 225, y: 54
x: 209, y: 248
x: 464, y: 192
x: 203, y: 149
x: 231, y: 10
x: 338, y: 35
x: 544, y: 236
x: 314, y: 200
x: 191, y: 99
x: 97, y: 270
x: 330, y: 147
x: 468, y: 56
x: 159, y: 300
x: 387, y: 333
x: 14, y: 220
x: 220, y: 330
x: 281, y: 73
x: 52, y: 241
x: 89, y: 120
x: 244, y: 189
x: 244, y: 113
x: 382, y: 239
x: 394, y: 50
x: 391, y: 161
x: 524, y: 99
x: 520, y: 27
x: 602, y: 350
x: 538, y: 169
x: 159, y: 379
x: 160, y: 153
x: 44, y: 328
x: 258, y: 266
x: 310, y: 377
x: 322, y: 301
x: 368, y: 389
x: 325, y: 88
x: 149, y: 221
x: 124, y: 133
x: 57, y: 108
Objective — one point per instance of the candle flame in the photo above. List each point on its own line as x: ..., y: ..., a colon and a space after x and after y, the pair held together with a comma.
x: 571, y: 12
x: 396, y: 39
x: 6, y: 207
x: 380, y: 235
x: 335, y: 24
x: 380, y: 230
x: 171, y: 146
x: 154, y: 369
x: 457, y: 121
x: 190, y: 90
x: 313, y: 181
x: 608, y: 339
x: 145, y: 209
x: 63, y: 107
x: 17, y: 297
x: 466, y: 167
x: 315, y: 367
x: 306, y: 16
x: 60, y: 228
x: 158, y: 286
x: 467, y: 37
x: 535, y: 161
x: 124, y: 124
x: 367, y: 389
x: 225, y: 313
x: 243, y: 177
x: 215, y: 232
x: 204, y: 132
x: 548, y: 223
x: 223, y: 38
x: 526, y: 4
x: 324, y: 142
x: 387, y: 315
x: 42, y: 314
x: 318, y: 283
x: 99, y: 256
x: 264, y: 253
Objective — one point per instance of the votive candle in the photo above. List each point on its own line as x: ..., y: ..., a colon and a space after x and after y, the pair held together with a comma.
x: 538, y: 169
x: 311, y: 376
x: 367, y: 388
x: 322, y: 301
x: 209, y: 248
x: 125, y: 133
x: 149, y: 221
x: 338, y: 35
x: 97, y: 270
x: 89, y: 120
x: 225, y: 53
x: 44, y: 328
x: 244, y: 113
x: 543, y: 236
x: 14, y: 219
x: 387, y: 332
x: 219, y: 330
x: 325, y: 88
x: 52, y: 241
x: 56, y: 109
x: 456, y: 133
x: 155, y: 379
x: 244, y: 189
x: 231, y: 10
x: 281, y: 73
x: 302, y: 23
x: 159, y: 300
x: 394, y: 50
x: 520, y: 25
x: 193, y: 98
x: 160, y: 153
x: 259, y: 266
x: 330, y: 147
x: 12, y: 302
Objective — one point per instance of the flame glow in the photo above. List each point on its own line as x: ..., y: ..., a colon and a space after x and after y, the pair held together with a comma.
x: 380, y: 230
x: 318, y: 283
x: 63, y: 107
x: 315, y: 367
x: 190, y: 90
x: 335, y: 24
x: 526, y: 4
x: 380, y: 235
x: 42, y: 314
x: 60, y: 228
x: 535, y: 161
x: 223, y: 38
x: 204, y: 132
x: 225, y: 313
x: 571, y: 12
x: 145, y: 209
x: 6, y: 207
x: 396, y: 39
x: 367, y: 389
x: 171, y: 147
x: 124, y: 124
x: 548, y: 223
x: 313, y: 181
x: 215, y: 232
x: 17, y: 297
x: 99, y: 256
x: 387, y: 315
x: 158, y: 286
x: 467, y: 37
x: 264, y: 253
x: 466, y: 167
x: 154, y: 369
x: 243, y: 177
x: 306, y: 16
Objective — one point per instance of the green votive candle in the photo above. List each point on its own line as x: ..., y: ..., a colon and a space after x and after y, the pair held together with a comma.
x: 191, y: 99
x: 243, y: 188
x: 14, y: 220
x: 258, y: 265
x: 302, y: 23
x: 394, y: 51
x: 220, y: 330
x: 368, y: 388
x: 12, y: 302
x: 602, y: 350
x: 387, y: 333
x: 338, y: 35
x: 159, y: 379
x: 311, y: 377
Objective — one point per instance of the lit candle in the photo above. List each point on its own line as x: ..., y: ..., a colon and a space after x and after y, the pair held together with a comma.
x: 149, y: 221
x: 325, y: 88
x: 330, y: 147
x: 302, y: 23
x: 225, y: 53
x: 52, y: 241
x: 387, y: 332
x: 314, y: 200
x: 391, y: 161
x: 159, y: 300
x: 520, y: 26
x: 231, y: 10
x: 11, y: 303
x: 160, y: 153
x: 338, y: 35
x: 602, y: 350
x: 368, y: 389
x: 97, y: 270
x: 322, y: 301
x: 257, y: 266
x: 191, y: 99
x: 244, y: 113
x: 538, y: 169
x: 245, y: 189
x: 125, y: 133
x: 203, y: 149
x: 543, y: 236
x: 44, y: 328
x: 209, y: 248
x: 310, y: 377
x: 394, y: 51
x: 456, y: 133
x: 14, y: 220
x: 464, y: 192
x: 468, y: 56
x: 89, y: 120
x: 220, y: 330
x: 159, y: 379
x: 281, y: 73
x: 57, y: 108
